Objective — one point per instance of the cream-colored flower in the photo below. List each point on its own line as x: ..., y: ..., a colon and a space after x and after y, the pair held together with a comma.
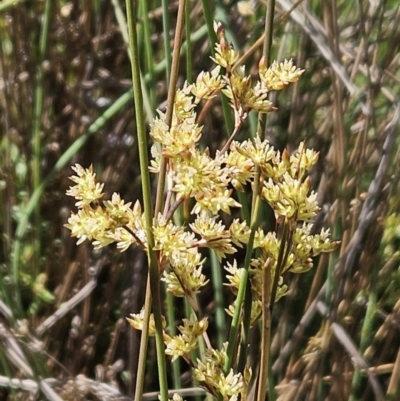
x: 208, y: 84
x: 186, y: 342
x: 136, y: 321
x: 185, y: 276
x: 240, y: 232
x: 86, y: 190
x: 279, y: 75
x: 261, y: 153
x: 225, y: 54
x: 213, y: 235
x: 291, y: 198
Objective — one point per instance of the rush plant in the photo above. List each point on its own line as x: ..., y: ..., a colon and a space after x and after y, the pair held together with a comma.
x: 205, y: 187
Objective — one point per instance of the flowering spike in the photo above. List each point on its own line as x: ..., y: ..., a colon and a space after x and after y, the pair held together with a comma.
x: 195, y: 176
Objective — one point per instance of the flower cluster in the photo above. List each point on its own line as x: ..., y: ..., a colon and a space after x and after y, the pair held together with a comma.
x: 278, y: 75
x: 179, y: 251
x: 136, y: 321
x: 86, y: 190
x: 225, y: 55
x: 239, y: 88
x: 113, y: 221
x: 193, y: 175
x: 186, y: 342
x: 287, y: 189
x: 209, y: 371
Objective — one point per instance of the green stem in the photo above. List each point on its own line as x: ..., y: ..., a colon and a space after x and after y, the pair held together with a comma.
x: 36, y: 130
x: 268, y: 294
x: 220, y: 320
x: 140, y: 377
x: 38, y: 108
x: 149, y: 51
x: 148, y: 213
x: 166, y: 30
x: 366, y: 334
x: 265, y: 332
x: 269, y: 29
x: 170, y: 101
x: 244, y: 348
x: 235, y: 325
x: 208, y: 16
x: 268, y: 33
x: 248, y: 299
x: 176, y: 371
x: 195, y: 354
x: 189, y: 57
x: 119, y: 15
x: 284, y: 249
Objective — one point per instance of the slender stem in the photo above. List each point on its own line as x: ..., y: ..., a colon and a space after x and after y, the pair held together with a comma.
x: 189, y: 57
x: 231, y: 138
x: 208, y: 16
x: 36, y: 131
x: 166, y: 30
x: 234, y: 330
x: 248, y: 299
x: 194, y: 353
x: 284, y: 251
x: 244, y: 348
x: 171, y: 97
x: 269, y: 29
x: 217, y: 282
x: 265, y: 332
x: 147, y: 100
x: 173, y: 208
x: 268, y: 32
x: 268, y: 295
x: 140, y: 376
x: 148, y: 213
x: 366, y: 332
x: 149, y: 51
x: 171, y: 319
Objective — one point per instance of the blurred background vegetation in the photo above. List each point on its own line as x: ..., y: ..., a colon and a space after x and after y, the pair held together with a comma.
x: 65, y: 98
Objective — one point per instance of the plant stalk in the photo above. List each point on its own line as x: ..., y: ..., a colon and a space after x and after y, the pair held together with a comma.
x: 154, y: 275
x: 235, y: 325
x: 268, y: 297
x: 170, y: 101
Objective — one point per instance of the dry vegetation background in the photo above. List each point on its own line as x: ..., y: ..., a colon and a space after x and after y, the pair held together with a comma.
x: 65, y: 98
